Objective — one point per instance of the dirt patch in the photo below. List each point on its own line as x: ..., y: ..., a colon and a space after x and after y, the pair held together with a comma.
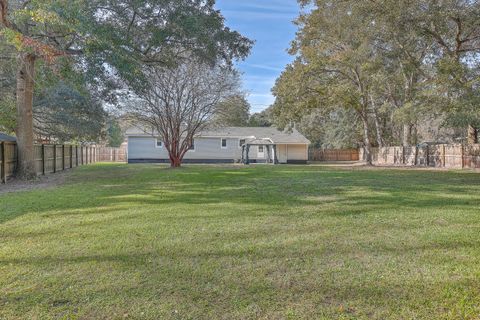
x: 42, y: 182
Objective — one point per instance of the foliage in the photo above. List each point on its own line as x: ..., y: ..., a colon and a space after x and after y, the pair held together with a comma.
x: 65, y: 114
x: 7, y: 114
x: 115, y: 134
x: 336, y: 130
x: 397, y: 64
x: 263, y: 242
x: 234, y: 111
x: 261, y: 119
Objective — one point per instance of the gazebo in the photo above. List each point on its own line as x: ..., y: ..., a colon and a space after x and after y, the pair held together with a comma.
x: 270, y: 147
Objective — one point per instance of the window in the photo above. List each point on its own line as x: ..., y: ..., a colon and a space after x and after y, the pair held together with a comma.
x: 158, y: 143
x: 260, y: 148
x: 224, y: 143
x: 241, y: 142
x: 192, y: 146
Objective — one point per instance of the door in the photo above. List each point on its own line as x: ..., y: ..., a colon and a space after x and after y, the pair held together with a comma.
x: 261, y: 152
x: 282, y: 153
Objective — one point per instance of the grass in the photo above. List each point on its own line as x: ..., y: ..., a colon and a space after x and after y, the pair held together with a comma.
x: 263, y: 242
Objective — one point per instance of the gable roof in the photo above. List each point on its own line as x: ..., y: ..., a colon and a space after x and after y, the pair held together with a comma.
x: 272, y: 133
x: 6, y: 137
x: 252, y: 133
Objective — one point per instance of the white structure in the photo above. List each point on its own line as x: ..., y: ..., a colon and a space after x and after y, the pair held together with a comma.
x: 223, y: 145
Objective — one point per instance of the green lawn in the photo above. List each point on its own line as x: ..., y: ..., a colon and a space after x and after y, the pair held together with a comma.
x: 263, y: 242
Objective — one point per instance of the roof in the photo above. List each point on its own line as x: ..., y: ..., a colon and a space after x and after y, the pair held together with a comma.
x: 272, y: 133
x: 255, y: 133
x: 6, y: 137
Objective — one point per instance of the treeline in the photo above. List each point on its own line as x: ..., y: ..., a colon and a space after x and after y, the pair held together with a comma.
x: 383, y: 73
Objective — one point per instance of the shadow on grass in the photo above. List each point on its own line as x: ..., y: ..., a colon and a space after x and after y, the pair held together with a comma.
x: 106, y: 188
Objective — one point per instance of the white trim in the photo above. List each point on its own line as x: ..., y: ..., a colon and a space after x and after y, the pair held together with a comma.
x: 221, y: 143
x: 156, y: 144
x: 240, y: 146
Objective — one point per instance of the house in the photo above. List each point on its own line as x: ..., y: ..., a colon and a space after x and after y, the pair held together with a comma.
x: 224, y: 145
x: 7, y: 138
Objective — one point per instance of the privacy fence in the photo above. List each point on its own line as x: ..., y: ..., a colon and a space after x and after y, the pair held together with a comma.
x: 52, y: 158
x: 333, y: 154
x: 440, y: 156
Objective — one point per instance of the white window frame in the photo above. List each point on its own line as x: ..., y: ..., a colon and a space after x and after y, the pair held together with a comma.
x: 221, y: 143
x: 263, y: 149
x: 156, y: 144
x: 241, y: 145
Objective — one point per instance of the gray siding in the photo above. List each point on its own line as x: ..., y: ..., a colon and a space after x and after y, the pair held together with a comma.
x: 205, y: 149
x: 143, y: 148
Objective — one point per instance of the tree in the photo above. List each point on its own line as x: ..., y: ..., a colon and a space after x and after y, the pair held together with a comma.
x: 115, y: 134
x: 234, y: 111
x: 63, y: 113
x: 123, y: 35
x: 181, y: 101
x: 336, y: 59
x: 400, y: 66
x: 261, y: 119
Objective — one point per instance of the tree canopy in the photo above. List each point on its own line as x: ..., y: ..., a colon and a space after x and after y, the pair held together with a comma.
x: 110, y: 42
x: 396, y: 64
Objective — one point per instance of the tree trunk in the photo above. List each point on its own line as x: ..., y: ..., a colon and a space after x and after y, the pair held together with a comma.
x: 175, y: 162
x: 472, y: 135
x: 378, y: 128
x: 407, y: 133
x: 24, y: 131
x: 366, y: 140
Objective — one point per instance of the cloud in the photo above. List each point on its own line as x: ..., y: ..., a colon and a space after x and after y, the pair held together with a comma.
x: 264, y: 67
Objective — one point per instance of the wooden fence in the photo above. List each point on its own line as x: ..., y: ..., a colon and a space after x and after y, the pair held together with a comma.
x: 51, y: 158
x: 333, y: 154
x: 441, y: 156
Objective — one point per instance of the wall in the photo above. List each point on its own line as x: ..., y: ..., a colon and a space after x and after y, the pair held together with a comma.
x: 144, y: 148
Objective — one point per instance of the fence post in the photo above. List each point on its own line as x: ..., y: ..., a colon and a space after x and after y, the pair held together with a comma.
x: 43, y: 159
x: 63, y: 157
x: 427, y: 152
x: 54, y: 158
x: 443, y: 155
x: 71, y: 156
x: 3, y: 169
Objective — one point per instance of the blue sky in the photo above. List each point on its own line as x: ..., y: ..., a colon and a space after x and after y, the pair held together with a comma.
x: 269, y: 23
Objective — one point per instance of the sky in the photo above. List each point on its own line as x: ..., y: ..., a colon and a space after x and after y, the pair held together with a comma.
x: 269, y: 24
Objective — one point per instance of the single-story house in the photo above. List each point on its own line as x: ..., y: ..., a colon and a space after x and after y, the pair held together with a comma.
x: 6, y: 137
x: 224, y: 145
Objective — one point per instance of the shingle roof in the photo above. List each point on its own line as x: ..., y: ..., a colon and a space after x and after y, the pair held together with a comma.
x: 6, y: 137
x: 272, y: 133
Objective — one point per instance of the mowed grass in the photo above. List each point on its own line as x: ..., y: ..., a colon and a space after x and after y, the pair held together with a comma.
x: 260, y: 242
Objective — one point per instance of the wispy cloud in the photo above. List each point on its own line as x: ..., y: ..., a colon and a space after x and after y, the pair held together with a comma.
x: 263, y: 67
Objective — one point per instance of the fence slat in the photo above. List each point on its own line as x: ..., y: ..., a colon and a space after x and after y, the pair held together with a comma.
x: 3, y: 171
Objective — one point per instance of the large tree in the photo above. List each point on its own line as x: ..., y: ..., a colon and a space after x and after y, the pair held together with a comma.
x: 180, y: 101
x: 110, y: 38
x: 400, y: 66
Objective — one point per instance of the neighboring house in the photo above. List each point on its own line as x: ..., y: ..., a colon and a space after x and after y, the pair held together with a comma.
x: 224, y: 145
x: 6, y: 137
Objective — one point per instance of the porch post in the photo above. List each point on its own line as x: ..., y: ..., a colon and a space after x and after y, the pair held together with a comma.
x: 275, y: 157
